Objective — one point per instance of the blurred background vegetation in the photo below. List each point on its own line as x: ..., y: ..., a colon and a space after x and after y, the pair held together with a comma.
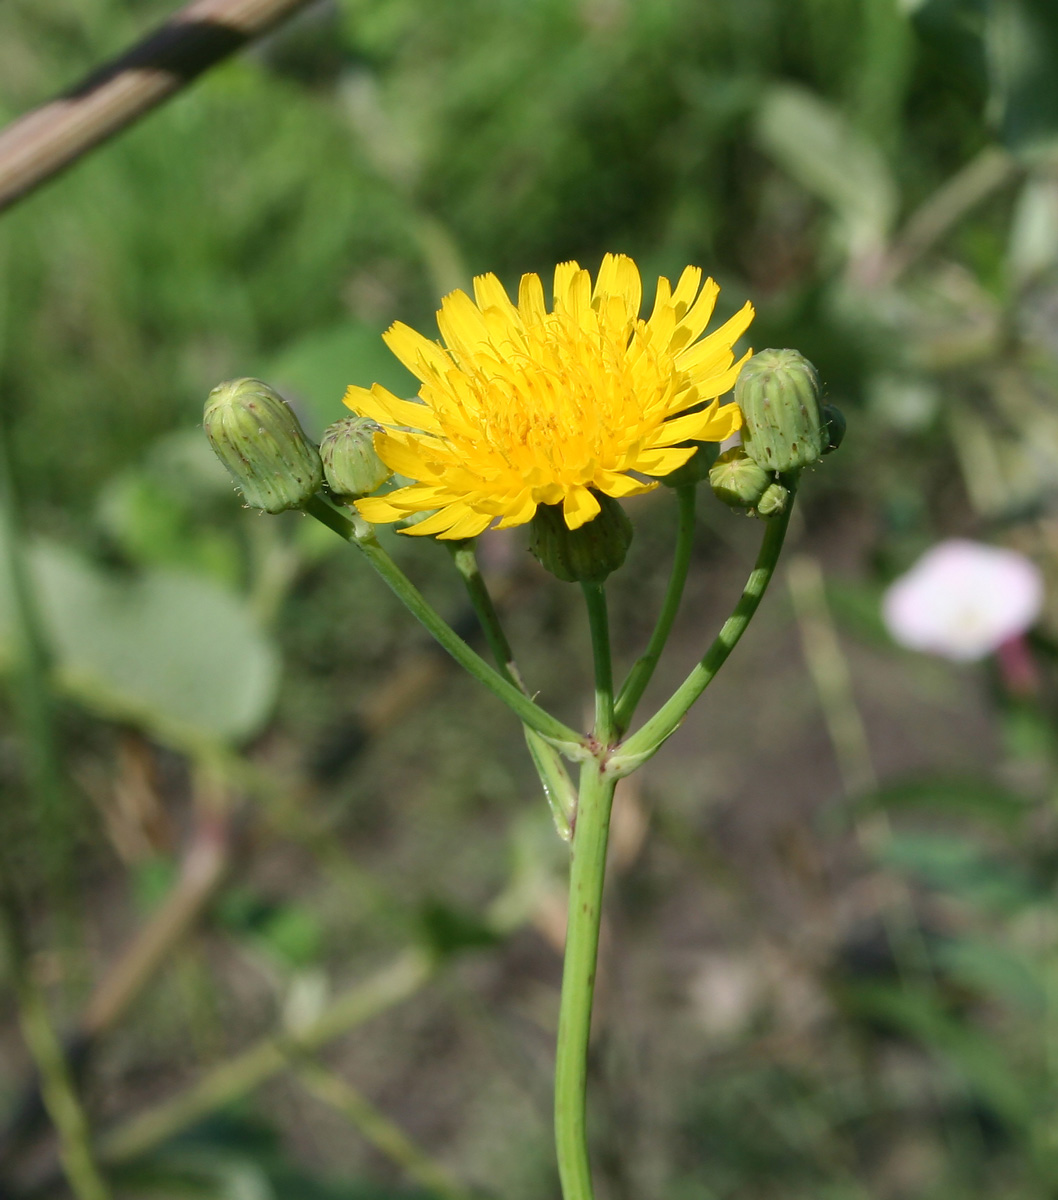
x: 831, y: 965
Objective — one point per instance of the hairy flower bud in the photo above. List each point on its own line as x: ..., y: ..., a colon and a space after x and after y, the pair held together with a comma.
x: 783, y: 427
x: 258, y: 437
x: 350, y: 465
x: 584, y: 555
x: 773, y: 502
x: 737, y: 480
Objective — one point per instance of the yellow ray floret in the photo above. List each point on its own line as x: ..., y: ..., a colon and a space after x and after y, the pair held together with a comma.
x: 522, y: 407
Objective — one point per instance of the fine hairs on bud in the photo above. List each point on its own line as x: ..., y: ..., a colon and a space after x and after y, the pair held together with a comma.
x: 350, y: 465
x: 258, y: 437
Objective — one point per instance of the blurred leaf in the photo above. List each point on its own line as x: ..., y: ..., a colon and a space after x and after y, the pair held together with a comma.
x: 960, y: 867
x: 815, y: 143
x: 1021, y: 42
x: 175, y: 654
x: 236, y: 1158
x: 449, y: 930
x: 317, y: 368
x: 152, y: 880
x: 919, y: 1014
x: 152, y: 529
x: 287, y: 931
x: 1033, y: 243
x: 957, y: 796
x: 161, y: 512
x: 993, y: 970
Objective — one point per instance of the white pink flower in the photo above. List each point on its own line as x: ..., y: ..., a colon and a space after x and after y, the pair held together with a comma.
x: 963, y: 600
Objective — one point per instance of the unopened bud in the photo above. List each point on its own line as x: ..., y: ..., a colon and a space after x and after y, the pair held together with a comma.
x: 783, y: 428
x: 350, y: 465
x: 258, y: 437
x: 585, y: 555
x: 773, y: 502
x: 737, y: 480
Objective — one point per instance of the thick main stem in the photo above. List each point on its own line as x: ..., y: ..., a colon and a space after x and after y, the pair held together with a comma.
x: 587, y: 873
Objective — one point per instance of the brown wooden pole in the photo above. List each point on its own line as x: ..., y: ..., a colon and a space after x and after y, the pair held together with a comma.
x: 45, y: 141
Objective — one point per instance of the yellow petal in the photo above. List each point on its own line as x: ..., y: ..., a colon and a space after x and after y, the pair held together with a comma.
x: 698, y: 314
x: 686, y: 290
x: 618, y: 486
x: 380, y: 510
x: 522, y: 509
x: 462, y: 326
x: 713, y: 424
x: 407, y: 456
x: 490, y: 293
x: 726, y: 336
x: 564, y: 275
x: 449, y: 522
x: 662, y: 298
x: 531, y: 300
x: 719, y: 385
x: 663, y: 462
x: 578, y: 507
x: 381, y: 405
x: 619, y: 276
x: 425, y: 359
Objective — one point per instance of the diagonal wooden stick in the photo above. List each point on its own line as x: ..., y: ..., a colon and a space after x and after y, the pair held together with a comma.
x: 48, y: 139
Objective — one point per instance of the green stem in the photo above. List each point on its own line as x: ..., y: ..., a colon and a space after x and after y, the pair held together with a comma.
x: 30, y: 691
x: 635, y: 685
x: 466, y: 563
x: 554, y: 778
x: 380, y: 1131
x: 56, y: 1084
x: 598, y: 620
x: 363, y: 537
x: 587, y: 872
x: 267, y: 1058
x: 646, y: 740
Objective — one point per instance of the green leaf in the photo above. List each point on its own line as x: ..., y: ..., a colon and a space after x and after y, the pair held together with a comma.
x: 235, y: 1157
x: 448, y: 930
x: 960, y: 796
x: 289, y: 932
x: 960, y: 867
x: 816, y: 144
x: 173, y: 653
x: 992, y: 970
x: 1021, y: 46
x: 918, y: 1013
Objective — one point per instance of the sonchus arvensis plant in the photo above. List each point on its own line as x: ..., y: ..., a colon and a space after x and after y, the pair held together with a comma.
x: 550, y: 417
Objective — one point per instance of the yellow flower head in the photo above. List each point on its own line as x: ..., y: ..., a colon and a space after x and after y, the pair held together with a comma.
x: 523, y: 407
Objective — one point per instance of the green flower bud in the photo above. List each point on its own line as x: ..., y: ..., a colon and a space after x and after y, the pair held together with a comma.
x: 258, y: 437
x: 773, y: 501
x: 835, y: 427
x: 778, y: 393
x: 695, y: 469
x: 584, y: 555
x: 737, y: 480
x: 350, y: 465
